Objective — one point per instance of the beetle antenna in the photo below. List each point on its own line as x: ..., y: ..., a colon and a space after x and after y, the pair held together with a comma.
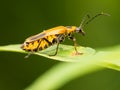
x: 83, y: 24
x: 83, y: 20
x: 95, y: 17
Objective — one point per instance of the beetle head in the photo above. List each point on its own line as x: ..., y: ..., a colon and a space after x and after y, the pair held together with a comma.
x: 80, y: 30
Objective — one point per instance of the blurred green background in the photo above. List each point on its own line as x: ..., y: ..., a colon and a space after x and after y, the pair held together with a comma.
x: 20, y: 19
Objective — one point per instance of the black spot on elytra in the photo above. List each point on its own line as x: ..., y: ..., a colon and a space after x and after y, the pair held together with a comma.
x: 47, y: 41
x: 38, y: 40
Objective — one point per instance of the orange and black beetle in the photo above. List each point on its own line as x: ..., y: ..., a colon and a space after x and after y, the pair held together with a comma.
x: 53, y: 36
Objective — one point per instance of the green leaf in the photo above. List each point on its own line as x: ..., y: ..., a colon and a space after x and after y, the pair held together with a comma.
x: 74, y: 65
x: 65, y: 53
x: 110, y: 56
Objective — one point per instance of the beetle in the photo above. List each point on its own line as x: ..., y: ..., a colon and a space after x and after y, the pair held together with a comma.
x: 55, y: 35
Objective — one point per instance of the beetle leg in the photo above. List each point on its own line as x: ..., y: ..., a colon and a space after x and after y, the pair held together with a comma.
x: 75, y: 44
x: 59, y: 39
x: 71, y: 36
x: 56, y: 50
x: 28, y: 54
